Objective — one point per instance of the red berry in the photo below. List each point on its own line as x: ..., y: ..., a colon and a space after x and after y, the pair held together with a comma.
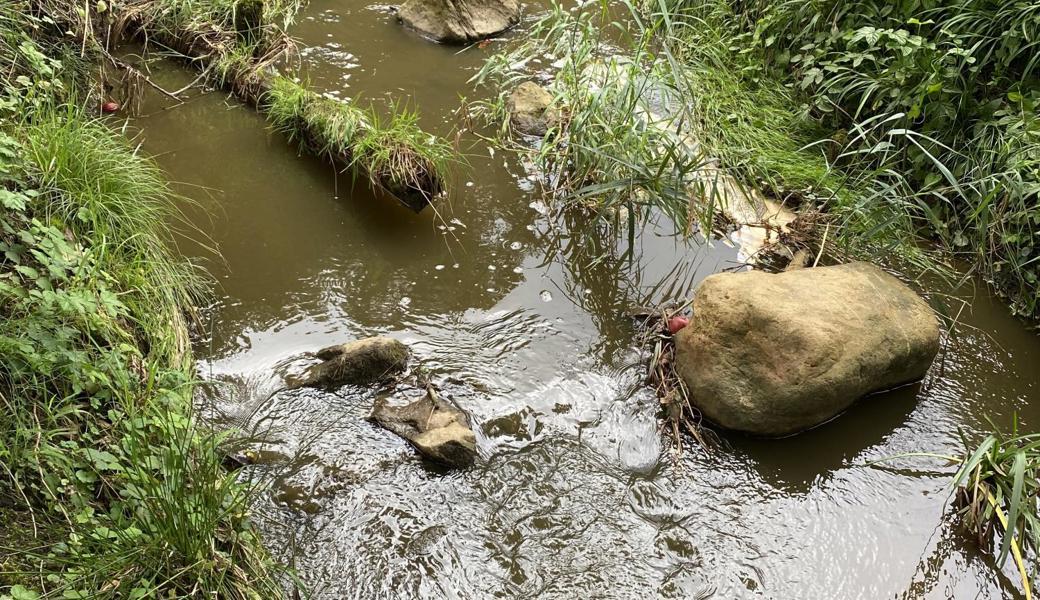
x: 677, y: 323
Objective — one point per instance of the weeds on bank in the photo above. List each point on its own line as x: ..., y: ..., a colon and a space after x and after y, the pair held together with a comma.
x: 660, y: 111
x: 904, y: 123
x: 955, y: 81
x: 120, y: 492
x: 95, y: 426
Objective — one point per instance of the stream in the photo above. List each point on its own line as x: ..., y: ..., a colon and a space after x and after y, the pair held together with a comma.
x: 521, y: 318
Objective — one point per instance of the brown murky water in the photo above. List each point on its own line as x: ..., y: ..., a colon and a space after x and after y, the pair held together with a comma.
x: 520, y: 317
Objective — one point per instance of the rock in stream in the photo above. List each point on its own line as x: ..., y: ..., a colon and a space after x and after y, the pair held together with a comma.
x: 775, y: 354
x: 436, y: 428
x: 530, y: 111
x: 360, y: 362
x: 459, y: 20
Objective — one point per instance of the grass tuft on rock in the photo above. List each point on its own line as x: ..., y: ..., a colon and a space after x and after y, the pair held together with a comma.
x: 393, y: 153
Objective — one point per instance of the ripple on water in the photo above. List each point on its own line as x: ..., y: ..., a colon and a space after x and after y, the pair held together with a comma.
x: 577, y: 497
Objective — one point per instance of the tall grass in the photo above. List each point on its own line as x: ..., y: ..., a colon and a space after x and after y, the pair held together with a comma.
x: 997, y: 496
x: 121, y: 491
x: 998, y: 491
x: 616, y: 143
x: 661, y: 110
x: 96, y: 430
x: 912, y: 126
x: 949, y: 91
x: 84, y: 172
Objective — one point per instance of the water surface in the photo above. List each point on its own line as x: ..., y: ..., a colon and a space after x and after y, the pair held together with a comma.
x: 520, y: 317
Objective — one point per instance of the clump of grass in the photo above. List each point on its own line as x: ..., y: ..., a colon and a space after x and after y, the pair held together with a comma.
x: 261, y: 24
x: 998, y: 492
x: 328, y: 126
x: 615, y: 144
x: 393, y: 153
x: 401, y: 158
x: 101, y: 189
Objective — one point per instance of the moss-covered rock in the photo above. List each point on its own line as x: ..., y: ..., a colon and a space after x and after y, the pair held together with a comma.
x: 530, y: 109
x: 360, y: 362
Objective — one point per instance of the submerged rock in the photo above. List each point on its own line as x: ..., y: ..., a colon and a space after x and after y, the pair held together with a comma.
x: 360, y: 362
x: 436, y: 428
x: 459, y: 20
x: 529, y: 109
x: 775, y: 354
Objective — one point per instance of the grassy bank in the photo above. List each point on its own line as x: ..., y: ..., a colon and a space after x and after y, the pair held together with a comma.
x: 115, y: 489
x: 904, y: 124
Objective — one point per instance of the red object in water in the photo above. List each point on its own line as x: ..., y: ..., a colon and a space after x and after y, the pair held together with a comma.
x: 677, y: 323
x: 109, y: 107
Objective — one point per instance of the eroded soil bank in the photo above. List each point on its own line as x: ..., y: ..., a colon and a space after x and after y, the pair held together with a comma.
x: 517, y: 316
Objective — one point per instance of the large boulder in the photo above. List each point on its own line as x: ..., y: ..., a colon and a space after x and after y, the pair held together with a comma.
x: 459, y: 20
x: 530, y: 111
x: 775, y: 354
x: 360, y: 362
x: 433, y: 426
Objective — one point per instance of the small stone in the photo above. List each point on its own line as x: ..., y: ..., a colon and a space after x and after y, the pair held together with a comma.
x: 361, y: 362
x: 436, y: 428
x: 530, y: 111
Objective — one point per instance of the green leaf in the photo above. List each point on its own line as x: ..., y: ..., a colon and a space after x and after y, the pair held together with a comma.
x: 13, y: 200
x: 85, y: 476
x: 1018, y: 471
x: 19, y: 592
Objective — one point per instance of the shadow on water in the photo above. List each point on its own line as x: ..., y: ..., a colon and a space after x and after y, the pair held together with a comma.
x: 836, y: 444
